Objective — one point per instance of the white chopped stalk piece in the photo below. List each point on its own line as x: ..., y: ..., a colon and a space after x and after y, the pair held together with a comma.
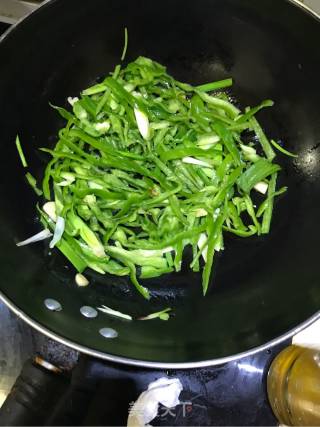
x: 206, y: 146
x: 219, y: 244
x: 216, y: 213
x: 262, y: 187
x: 194, y: 161
x: 95, y: 185
x: 69, y: 178
x: 72, y: 100
x: 136, y: 94
x: 247, y: 149
x: 90, y: 199
x: 81, y: 280
x: 249, y: 152
x: 210, y: 173
x: 68, y: 175
x: 201, y: 212
x: 113, y: 104
x: 165, y: 391
x: 58, y: 231
x: 102, y: 127
x: 142, y: 123
x: 82, y: 114
x: 207, y: 139
x: 167, y: 249
x: 129, y: 87
x: 44, y: 234
x: 160, y: 125
x: 203, y: 239
x: 99, y: 252
x: 108, y: 310
x: 50, y: 209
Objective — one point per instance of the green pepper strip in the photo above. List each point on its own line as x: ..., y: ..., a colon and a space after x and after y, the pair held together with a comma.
x: 209, y: 87
x: 213, y: 231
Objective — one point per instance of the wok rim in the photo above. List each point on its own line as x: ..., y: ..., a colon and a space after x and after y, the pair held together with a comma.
x: 145, y: 363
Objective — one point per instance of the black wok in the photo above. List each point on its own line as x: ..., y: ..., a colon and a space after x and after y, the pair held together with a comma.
x: 263, y: 287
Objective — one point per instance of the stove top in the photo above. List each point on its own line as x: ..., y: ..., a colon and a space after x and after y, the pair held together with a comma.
x: 230, y: 394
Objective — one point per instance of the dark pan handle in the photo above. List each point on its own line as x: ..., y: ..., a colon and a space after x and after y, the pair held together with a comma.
x: 34, y: 394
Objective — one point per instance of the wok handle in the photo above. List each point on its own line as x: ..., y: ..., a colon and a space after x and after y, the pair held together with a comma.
x: 34, y: 394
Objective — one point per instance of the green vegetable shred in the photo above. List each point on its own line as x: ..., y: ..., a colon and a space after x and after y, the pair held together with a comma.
x: 146, y: 166
x: 20, y: 152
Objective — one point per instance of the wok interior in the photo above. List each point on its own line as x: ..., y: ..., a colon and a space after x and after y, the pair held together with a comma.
x: 262, y: 286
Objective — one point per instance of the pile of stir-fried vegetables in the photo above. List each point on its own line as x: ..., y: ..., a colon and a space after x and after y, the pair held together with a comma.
x: 147, y: 165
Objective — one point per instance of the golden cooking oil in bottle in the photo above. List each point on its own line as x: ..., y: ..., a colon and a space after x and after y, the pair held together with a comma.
x: 294, y: 386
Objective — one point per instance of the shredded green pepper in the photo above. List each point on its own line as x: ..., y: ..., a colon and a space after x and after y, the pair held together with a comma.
x: 210, y: 87
x: 147, y: 165
x: 20, y: 152
x: 125, y: 47
x: 33, y: 183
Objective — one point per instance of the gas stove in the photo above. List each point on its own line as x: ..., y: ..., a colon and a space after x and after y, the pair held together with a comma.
x: 100, y: 393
